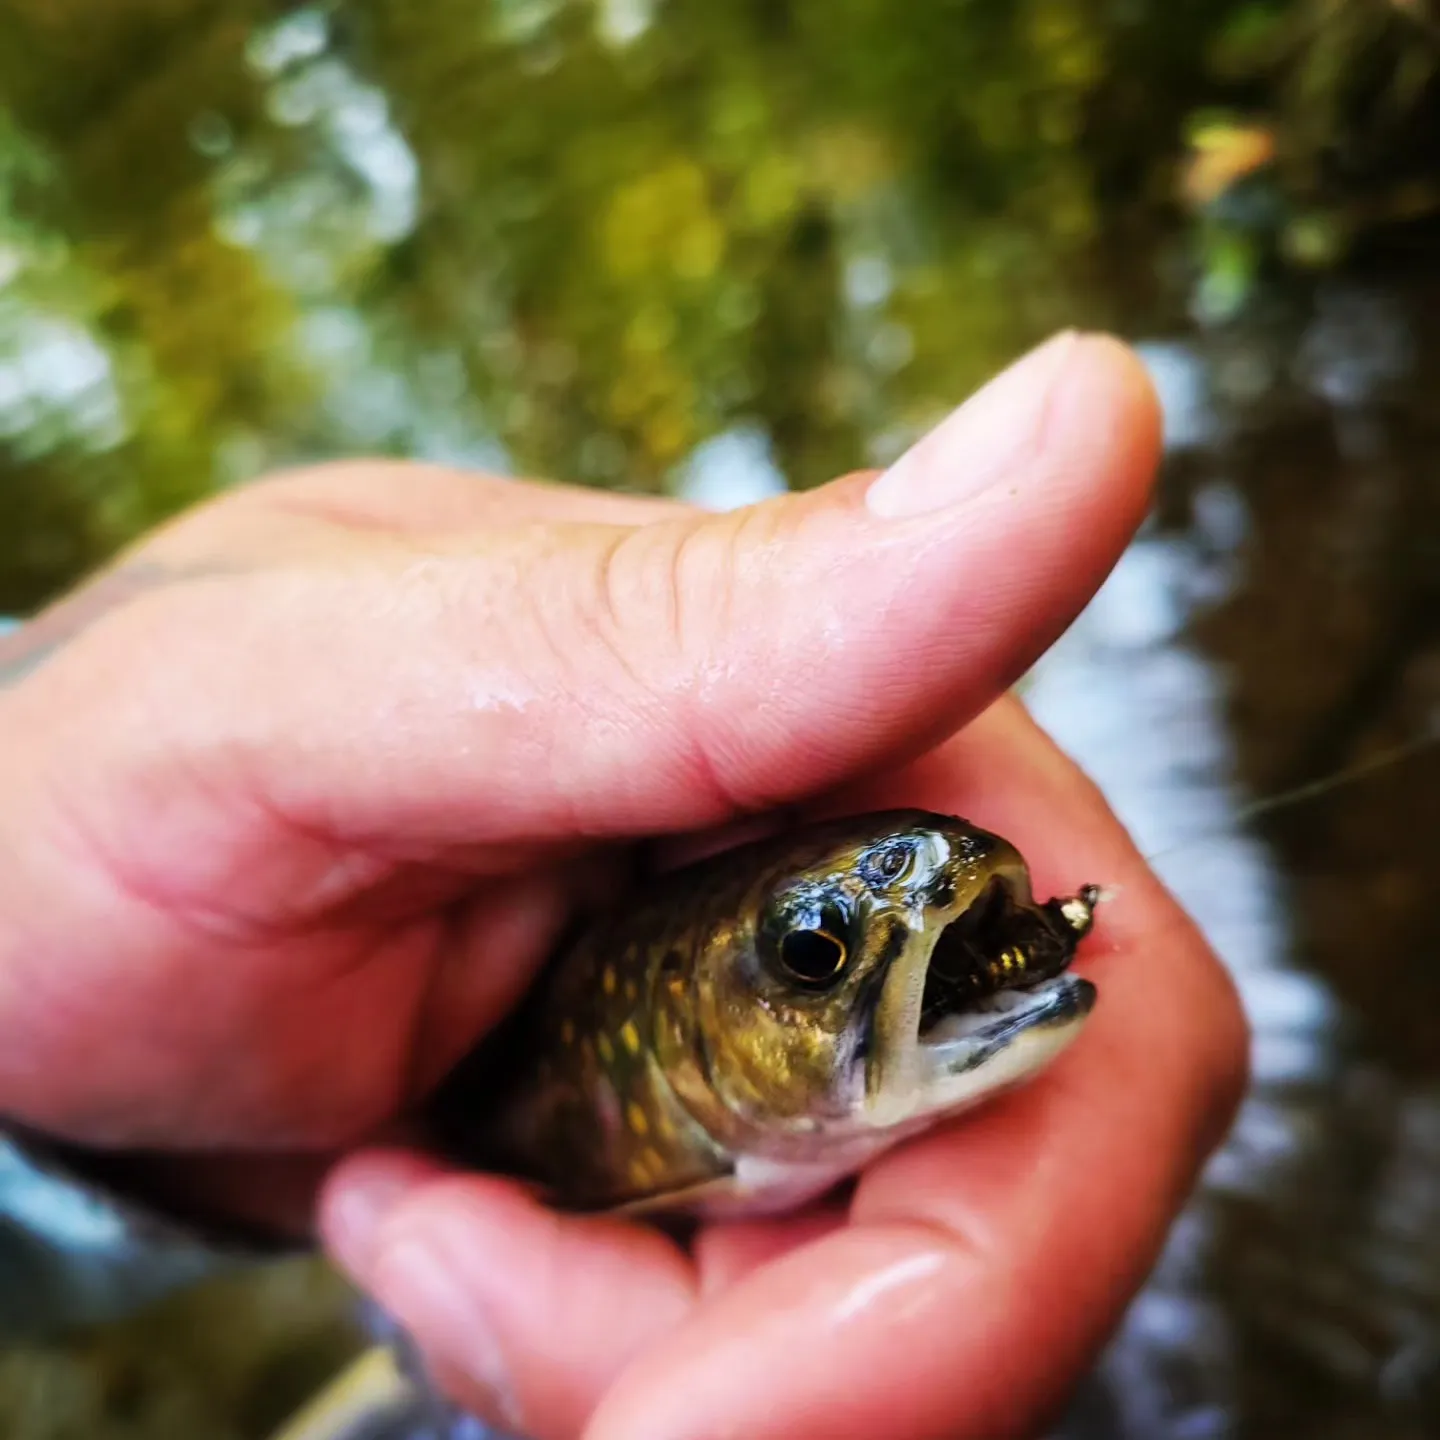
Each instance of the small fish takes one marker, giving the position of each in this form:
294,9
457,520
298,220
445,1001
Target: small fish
767,1021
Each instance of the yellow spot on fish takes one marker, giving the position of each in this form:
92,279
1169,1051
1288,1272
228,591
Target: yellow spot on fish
663,1125
606,1049
631,993
567,1032
645,1167
639,1122
607,979
631,1036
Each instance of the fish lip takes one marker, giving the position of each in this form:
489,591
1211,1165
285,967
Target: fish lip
969,1040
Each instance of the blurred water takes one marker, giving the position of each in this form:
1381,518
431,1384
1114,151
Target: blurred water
1301,1294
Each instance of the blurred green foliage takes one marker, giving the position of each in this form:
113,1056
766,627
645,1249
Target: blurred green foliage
229,1361
579,237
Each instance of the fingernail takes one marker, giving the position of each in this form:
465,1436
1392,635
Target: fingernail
422,1284
368,1193
980,442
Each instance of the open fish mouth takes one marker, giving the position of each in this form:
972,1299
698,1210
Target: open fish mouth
998,971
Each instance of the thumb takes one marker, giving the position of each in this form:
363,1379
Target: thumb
546,680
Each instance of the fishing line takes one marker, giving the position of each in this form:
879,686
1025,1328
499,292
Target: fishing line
1309,790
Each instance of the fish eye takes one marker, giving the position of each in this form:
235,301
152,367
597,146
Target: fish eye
813,957
805,940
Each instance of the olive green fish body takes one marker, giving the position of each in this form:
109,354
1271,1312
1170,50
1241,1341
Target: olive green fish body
765,1021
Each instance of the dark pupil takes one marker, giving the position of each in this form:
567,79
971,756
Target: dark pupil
813,956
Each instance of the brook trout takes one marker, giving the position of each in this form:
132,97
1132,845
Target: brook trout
766,1021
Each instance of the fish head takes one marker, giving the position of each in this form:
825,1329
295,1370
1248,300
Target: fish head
882,972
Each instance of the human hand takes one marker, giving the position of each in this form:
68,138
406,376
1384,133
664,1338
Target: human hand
295,815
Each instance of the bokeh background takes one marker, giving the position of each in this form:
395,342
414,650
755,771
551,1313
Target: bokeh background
721,247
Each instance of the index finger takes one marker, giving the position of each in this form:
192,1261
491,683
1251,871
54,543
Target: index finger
985,1263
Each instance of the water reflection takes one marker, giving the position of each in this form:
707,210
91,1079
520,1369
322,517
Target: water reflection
1301,1293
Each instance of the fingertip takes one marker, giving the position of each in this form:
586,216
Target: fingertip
360,1194
1110,365
1108,409
525,1314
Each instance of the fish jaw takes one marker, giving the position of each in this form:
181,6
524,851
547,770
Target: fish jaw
988,1052
923,1068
